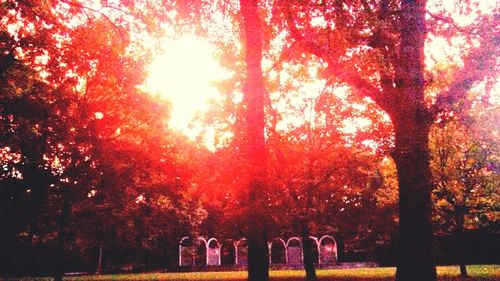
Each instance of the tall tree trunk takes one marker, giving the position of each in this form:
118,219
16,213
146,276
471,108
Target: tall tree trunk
305,232
258,252
412,122
416,256
308,253
460,253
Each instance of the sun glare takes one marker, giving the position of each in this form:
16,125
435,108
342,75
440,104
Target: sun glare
185,74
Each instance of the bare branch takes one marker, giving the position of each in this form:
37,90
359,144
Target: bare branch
81,6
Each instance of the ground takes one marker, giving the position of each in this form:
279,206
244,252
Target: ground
446,273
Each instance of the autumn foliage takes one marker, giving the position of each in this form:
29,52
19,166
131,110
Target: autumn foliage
372,121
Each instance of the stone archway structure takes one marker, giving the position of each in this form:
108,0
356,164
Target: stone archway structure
211,252
316,248
200,251
328,252
193,252
241,252
186,252
294,252
228,253
277,251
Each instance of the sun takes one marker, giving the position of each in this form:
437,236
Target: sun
185,74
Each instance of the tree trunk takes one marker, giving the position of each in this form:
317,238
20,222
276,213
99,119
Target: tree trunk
99,259
308,213
416,256
63,222
308,253
463,268
412,121
258,252
459,241
461,256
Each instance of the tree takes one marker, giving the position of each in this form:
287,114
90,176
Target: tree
345,35
254,91
85,122
314,160
85,102
298,134
466,182
29,125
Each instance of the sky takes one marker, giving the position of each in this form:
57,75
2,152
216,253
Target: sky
185,73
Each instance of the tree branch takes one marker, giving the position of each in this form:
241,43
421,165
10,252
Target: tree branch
340,69
81,6
449,21
480,63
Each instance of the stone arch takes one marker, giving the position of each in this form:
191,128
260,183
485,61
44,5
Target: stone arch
294,252
186,254
200,251
213,252
241,250
228,253
328,250
277,248
315,248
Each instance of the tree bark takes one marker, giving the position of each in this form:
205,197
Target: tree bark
459,241
412,121
416,255
258,252
305,232
308,257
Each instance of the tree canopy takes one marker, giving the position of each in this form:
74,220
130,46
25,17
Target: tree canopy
385,112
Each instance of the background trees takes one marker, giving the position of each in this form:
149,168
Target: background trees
90,168
464,161
87,152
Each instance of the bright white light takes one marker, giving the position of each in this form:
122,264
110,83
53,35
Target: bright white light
185,74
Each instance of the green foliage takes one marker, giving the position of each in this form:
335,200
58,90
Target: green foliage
465,170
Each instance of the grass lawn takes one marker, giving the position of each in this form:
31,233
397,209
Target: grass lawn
446,273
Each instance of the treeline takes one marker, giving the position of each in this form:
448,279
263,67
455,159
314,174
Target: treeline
27,260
